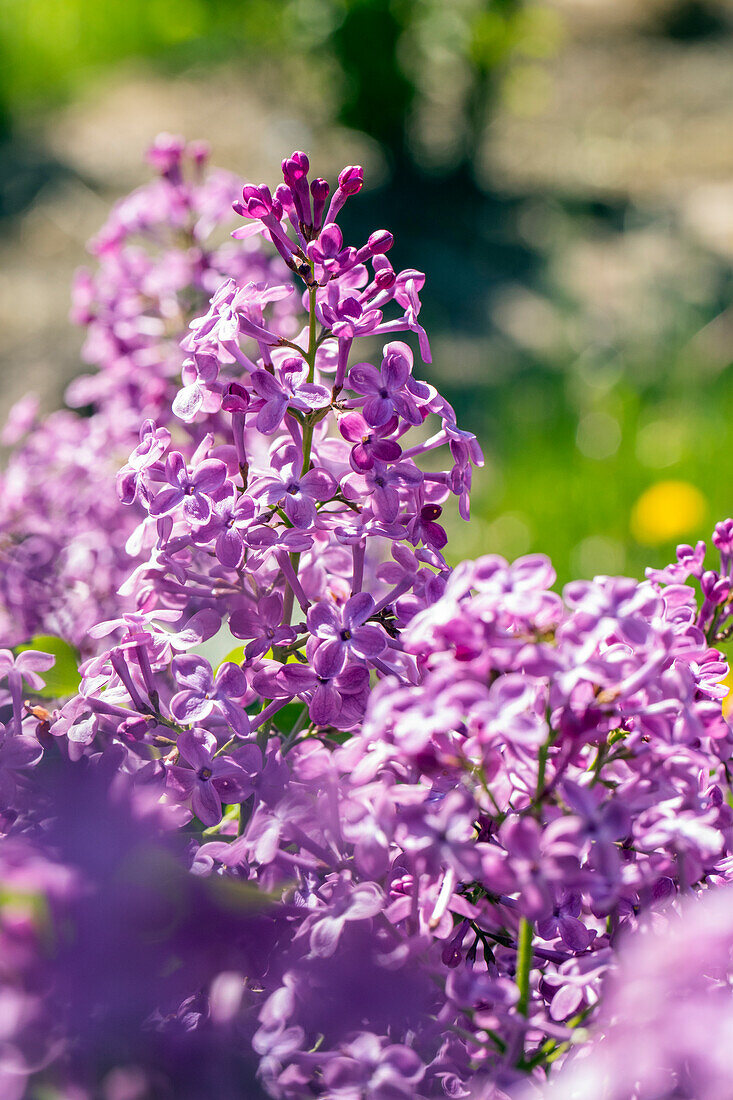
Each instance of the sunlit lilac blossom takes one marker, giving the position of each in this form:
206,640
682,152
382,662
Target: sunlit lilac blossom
388,846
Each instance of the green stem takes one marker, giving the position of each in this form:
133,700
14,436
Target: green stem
307,444
541,771
524,964
307,437
224,748
289,594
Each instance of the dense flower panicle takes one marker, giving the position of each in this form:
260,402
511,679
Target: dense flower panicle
389,843
63,533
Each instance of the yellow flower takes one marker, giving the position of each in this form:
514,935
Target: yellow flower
667,511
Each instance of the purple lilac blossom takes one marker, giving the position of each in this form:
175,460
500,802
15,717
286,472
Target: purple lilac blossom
390,846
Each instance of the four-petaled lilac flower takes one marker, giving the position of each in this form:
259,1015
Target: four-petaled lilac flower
564,922
200,391
209,780
289,388
195,489
425,528
332,697
373,1069
370,443
298,493
389,391
203,692
263,624
348,902
345,630
382,484
25,666
230,517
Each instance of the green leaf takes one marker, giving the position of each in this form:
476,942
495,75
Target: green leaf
284,720
63,679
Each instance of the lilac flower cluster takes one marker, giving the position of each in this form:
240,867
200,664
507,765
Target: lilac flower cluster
664,1031
63,530
379,825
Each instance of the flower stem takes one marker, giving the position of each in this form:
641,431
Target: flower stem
524,964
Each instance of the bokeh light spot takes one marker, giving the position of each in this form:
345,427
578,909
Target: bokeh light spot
667,511
599,435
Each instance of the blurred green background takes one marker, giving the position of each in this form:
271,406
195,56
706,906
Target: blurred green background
561,169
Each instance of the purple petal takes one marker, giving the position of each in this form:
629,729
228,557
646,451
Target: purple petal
365,379
197,508
318,483
323,620
271,609
566,1002
300,510
7,662
270,415
407,472
199,628
230,548
353,427
357,610
325,706
180,781
366,901
297,678
190,706
235,716
395,370
353,679
207,367
194,672
386,450
197,748
266,386
574,933
20,752
165,501
325,936
329,658
378,411
206,804
209,476
33,660
230,680
245,624
232,784
188,401
368,641
386,503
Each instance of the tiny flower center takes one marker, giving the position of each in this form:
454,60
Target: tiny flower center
345,635
293,488
205,773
